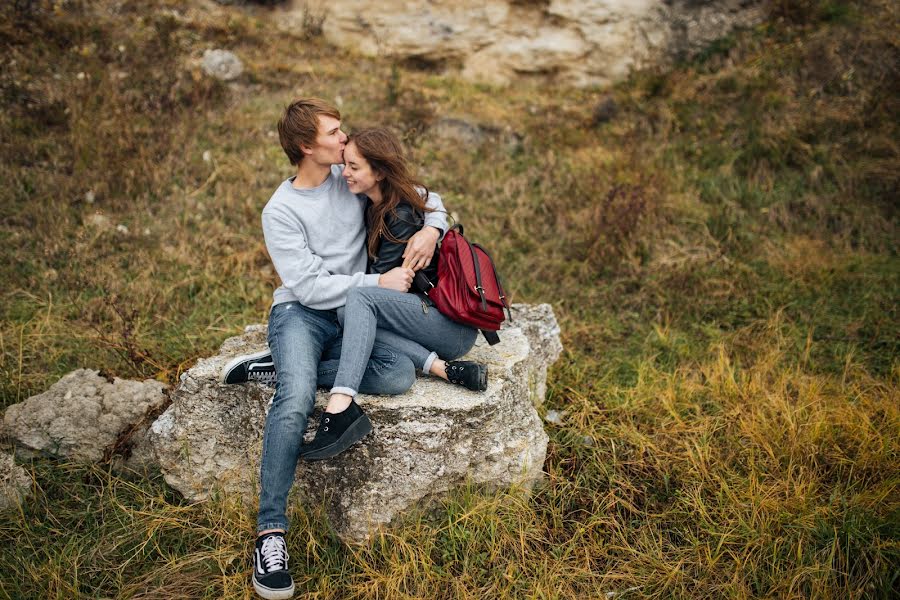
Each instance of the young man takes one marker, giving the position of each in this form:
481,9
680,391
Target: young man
315,234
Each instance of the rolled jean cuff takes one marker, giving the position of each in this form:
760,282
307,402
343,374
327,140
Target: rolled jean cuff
343,390
267,526
426,368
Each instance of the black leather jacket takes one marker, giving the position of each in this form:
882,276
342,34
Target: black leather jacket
403,223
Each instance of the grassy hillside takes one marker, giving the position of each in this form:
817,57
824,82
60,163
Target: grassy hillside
721,254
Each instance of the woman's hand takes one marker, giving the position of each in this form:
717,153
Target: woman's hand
398,278
420,248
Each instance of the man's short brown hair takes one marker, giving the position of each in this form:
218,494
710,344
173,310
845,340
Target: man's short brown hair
299,125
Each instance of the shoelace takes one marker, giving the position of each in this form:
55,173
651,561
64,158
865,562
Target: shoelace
274,553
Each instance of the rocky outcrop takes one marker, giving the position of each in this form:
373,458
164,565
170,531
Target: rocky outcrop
425,442
82,416
580,42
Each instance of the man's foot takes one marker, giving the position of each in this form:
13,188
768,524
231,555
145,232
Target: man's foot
250,367
337,432
271,578
470,374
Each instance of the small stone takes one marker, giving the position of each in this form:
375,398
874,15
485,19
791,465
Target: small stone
555,417
15,483
89,196
587,441
98,220
458,130
222,64
123,229
207,156
80,75
606,110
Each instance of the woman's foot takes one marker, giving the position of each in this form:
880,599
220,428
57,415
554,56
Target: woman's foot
467,373
337,432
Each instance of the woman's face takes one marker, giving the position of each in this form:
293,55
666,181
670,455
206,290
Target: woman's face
361,179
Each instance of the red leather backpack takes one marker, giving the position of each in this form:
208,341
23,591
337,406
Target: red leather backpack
469,289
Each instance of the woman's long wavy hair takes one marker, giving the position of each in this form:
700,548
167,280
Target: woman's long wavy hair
383,152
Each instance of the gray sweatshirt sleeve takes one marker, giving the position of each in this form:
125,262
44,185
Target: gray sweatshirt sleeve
438,217
302,272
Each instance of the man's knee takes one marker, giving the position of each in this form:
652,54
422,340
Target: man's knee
294,398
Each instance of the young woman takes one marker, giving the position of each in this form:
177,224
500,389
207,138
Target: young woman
376,170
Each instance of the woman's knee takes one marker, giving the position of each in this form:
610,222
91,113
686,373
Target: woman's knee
389,379
401,377
358,295
465,341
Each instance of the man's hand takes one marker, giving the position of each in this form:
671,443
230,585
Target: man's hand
420,248
398,278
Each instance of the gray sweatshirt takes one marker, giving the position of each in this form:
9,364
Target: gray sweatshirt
316,239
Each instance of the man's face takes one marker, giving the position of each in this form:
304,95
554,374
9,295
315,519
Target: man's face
330,140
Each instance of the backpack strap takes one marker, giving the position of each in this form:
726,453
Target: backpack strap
491,337
499,282
478,287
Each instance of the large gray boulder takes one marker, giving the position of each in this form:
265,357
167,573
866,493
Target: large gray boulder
425,442
83,416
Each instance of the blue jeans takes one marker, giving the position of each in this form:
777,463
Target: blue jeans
306,347
410,324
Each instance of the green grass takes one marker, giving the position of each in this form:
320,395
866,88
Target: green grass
721,255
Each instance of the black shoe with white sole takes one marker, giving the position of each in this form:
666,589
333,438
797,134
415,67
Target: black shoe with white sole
258,366
271,578
337,432
469,374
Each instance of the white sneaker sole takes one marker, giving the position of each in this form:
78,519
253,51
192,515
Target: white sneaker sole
238,360
270,594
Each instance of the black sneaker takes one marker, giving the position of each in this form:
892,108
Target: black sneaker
337,432
271,579
471,375
250,367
